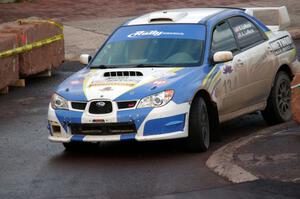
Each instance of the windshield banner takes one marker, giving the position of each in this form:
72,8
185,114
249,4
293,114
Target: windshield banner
176,31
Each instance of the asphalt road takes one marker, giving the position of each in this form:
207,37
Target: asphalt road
32,167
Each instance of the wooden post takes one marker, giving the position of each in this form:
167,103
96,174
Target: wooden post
19,83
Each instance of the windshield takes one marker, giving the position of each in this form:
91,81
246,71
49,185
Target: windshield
153,45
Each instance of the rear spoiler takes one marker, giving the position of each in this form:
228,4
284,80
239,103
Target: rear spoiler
282,21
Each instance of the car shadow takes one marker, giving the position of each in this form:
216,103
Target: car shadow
159,150
126,149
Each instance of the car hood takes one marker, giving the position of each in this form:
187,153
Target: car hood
123,83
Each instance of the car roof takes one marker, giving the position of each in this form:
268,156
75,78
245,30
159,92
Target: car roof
185,15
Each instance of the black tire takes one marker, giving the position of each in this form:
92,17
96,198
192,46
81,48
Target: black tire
199,131
278,108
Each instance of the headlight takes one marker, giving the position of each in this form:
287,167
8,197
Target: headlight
156,100
58,102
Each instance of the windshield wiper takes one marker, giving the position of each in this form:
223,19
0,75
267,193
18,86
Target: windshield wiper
102,66
151,65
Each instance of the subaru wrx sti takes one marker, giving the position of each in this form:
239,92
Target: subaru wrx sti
177,74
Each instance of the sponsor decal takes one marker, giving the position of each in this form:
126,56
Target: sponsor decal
227,69
244,30
281,45
159,82
109,88
100,104
154,33
76,82
103,83
130,105
165,74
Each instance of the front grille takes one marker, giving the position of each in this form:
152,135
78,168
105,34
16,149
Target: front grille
103,128
100,107
122,74
127,104
78,105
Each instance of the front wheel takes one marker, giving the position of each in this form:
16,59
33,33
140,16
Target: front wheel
199,131
278,108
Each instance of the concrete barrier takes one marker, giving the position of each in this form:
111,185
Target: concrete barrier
9,66
9,1
296,98
39,59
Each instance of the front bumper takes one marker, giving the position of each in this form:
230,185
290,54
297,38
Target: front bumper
167,122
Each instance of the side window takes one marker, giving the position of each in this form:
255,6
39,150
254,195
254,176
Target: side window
223,39
246,32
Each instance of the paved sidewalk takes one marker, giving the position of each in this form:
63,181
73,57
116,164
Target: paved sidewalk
274,156
86,36
270,154
262,189
68,10
78,41
90,9
88,23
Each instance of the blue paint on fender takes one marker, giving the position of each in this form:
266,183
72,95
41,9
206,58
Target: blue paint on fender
66,116
136,115
72,88
164,125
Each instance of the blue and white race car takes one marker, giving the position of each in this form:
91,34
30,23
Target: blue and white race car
177,74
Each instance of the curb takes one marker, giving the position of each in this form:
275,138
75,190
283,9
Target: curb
222,163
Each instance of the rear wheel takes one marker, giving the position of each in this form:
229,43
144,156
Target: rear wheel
278,108
199,131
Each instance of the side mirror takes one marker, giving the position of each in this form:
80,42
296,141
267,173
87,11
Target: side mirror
85,59
222,56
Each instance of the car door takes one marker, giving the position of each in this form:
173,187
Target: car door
259,61
232,75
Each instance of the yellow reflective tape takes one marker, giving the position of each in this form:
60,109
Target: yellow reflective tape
214,80
174,70
55,23
29,47
208,75
293,53
268,33
27,21
86,80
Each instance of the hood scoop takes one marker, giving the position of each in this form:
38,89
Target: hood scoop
122,74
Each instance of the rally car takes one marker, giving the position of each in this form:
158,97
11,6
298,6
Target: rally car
178,74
